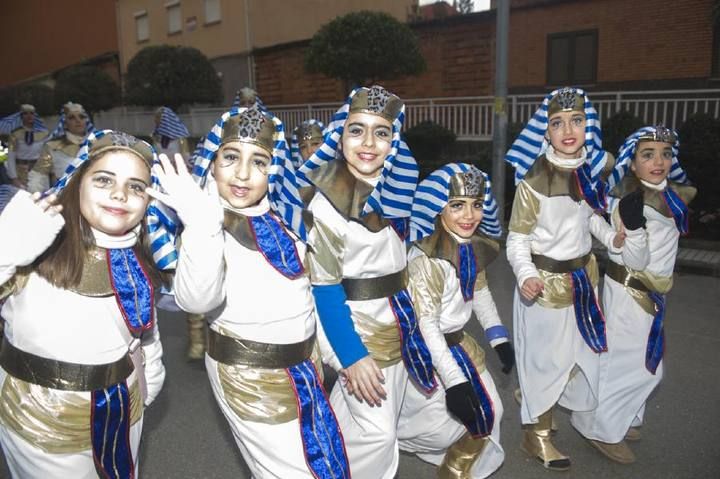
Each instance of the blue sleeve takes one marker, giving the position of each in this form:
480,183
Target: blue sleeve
334,315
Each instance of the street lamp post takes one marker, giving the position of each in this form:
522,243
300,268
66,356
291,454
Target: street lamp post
500,117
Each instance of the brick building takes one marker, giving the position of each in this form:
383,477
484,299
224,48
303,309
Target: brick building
597,44
40,37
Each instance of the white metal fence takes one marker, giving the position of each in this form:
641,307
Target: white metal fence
471,118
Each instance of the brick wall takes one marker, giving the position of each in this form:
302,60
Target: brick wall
642,44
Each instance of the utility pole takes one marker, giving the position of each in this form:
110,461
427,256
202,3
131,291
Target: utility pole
248,40
500,117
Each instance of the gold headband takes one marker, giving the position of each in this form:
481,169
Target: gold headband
471,183
117,140
567,99
308,131
250,126
377,101
661,134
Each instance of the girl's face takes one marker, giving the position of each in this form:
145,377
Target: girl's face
308,147
366,142
75,123
652,161
241,173
112,192
462,216
566,133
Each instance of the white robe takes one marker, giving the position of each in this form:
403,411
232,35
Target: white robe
370,432
548,345
625,382
426,428
241,294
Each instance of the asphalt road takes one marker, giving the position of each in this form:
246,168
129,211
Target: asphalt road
185,435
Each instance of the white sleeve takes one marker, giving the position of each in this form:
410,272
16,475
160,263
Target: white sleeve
519,256
426,286
199,283
486,312
605,233
154,367
10,165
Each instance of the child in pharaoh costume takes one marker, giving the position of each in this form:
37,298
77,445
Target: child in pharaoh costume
653,211
559,330
307,137
363,179
458,426
71,131
26,143
81,355
241,264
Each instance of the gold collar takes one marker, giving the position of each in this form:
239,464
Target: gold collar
95,280
442,245
654,198
346,193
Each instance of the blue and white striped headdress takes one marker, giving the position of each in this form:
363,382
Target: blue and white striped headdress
282,184
59,130
392,196
170,125
629,147
433,194
161,221
12,122
304,131
531,142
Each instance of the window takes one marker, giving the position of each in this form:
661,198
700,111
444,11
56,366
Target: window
715,70
142,27
212,11
572,58
174,17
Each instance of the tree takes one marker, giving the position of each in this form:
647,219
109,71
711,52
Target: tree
465,6
362,47
94,89
171,76
37,94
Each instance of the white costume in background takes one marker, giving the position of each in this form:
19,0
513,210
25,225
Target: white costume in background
46,432
547,342
625,382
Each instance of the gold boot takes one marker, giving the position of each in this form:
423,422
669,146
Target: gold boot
538,444
517,394
197,336
460,457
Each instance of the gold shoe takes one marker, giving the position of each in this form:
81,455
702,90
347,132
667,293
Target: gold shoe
633,434
460,457
619,452
517,394
538,444
197,336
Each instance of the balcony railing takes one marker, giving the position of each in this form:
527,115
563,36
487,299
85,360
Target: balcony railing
471,118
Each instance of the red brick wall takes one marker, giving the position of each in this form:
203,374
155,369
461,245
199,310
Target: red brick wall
641,44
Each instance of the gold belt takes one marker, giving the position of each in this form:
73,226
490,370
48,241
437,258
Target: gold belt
454,338
554,266
51,373
363,289
234,351
620,274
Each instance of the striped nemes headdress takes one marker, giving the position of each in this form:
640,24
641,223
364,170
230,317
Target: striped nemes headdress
454,180
392,196
67,109
170,126
531,142
162,223
305,131
629,147
258,127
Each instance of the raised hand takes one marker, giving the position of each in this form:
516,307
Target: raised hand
195,207
631,210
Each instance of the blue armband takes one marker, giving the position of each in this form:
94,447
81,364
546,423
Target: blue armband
496,332
334,314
